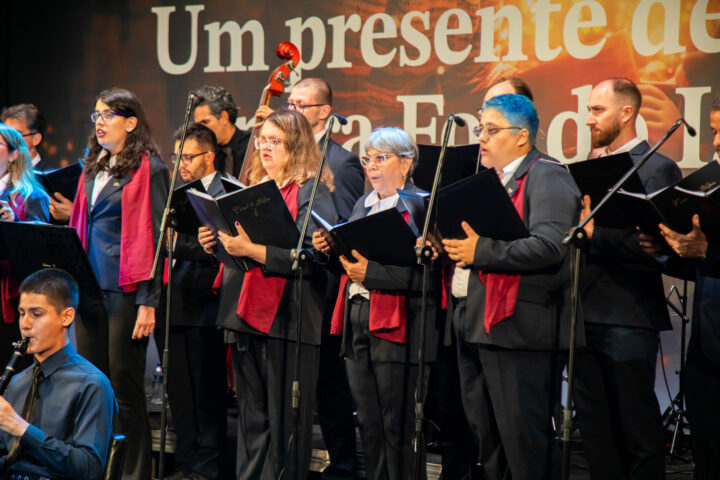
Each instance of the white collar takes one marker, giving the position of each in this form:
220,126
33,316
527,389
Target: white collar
627,147
377,204
509,170
319,135
207,180
36,159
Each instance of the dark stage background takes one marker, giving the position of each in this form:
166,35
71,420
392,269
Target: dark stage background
394,62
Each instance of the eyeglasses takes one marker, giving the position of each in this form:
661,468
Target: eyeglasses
186,158
4,144
300,108
379,159
107,115
271,143
29,134
490,132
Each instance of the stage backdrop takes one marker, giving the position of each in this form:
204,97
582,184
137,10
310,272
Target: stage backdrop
406,63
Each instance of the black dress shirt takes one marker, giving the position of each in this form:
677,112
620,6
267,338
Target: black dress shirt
71,434
238,145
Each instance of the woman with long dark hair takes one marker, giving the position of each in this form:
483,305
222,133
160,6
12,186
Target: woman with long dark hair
117,212
262,333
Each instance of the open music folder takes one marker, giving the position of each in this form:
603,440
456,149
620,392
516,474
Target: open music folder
261,211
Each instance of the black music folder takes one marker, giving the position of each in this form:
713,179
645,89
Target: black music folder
597,176
260,210
34,246
62,180
481,201
460,162
186,220
698,193
384,237
232,184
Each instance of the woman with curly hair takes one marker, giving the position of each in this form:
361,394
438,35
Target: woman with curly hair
117,212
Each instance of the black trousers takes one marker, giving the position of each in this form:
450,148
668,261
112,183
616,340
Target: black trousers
264,369
196,391
702,381
384,397
617,409
104,337
508,399
444,408
335,405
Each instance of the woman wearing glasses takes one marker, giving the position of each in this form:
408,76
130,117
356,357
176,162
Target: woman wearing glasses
22,199
262,334
378,314
117,211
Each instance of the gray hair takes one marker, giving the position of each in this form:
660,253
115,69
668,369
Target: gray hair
393,140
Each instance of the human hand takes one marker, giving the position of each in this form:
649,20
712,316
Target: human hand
356,271
60,207
690,245
462,251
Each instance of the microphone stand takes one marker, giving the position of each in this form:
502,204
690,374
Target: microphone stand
299,255
168,223
424,257
577,237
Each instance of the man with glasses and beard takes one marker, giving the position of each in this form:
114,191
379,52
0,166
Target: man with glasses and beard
624,308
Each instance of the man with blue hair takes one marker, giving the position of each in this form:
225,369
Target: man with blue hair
516,314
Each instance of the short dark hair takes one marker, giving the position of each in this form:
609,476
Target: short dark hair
521,88
715,105
625,89
200,133
56,284
218,100
321,86
28,113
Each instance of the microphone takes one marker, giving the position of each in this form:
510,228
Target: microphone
340,118
196,98
691,131
458,120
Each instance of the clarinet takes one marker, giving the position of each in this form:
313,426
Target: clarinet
20,349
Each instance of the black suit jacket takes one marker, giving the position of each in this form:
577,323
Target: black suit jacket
238,145
104,227
194,304
43,165
405,281
705,329
620,284
279,262
349,178
541,320
37,205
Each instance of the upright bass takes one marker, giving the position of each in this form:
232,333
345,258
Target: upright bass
278,80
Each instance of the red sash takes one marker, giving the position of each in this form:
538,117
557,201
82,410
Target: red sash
9,287
261,294
388,317
501,289
137,245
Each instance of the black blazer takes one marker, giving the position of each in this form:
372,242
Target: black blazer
349,178
279,262
620,284
37,205
104,227
43,165
541,321
404,281
194,304
705,328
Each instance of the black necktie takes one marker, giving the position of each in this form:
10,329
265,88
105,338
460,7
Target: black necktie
28,412
228,161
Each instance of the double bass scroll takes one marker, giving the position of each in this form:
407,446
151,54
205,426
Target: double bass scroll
278,80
